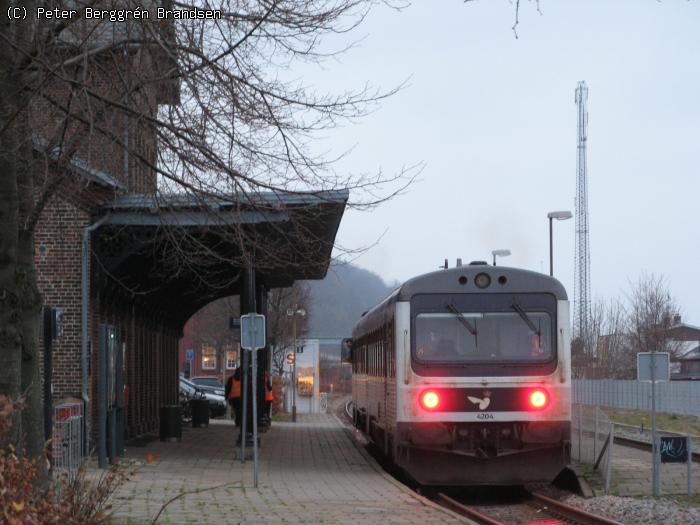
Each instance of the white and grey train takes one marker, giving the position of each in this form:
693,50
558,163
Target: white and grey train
463,376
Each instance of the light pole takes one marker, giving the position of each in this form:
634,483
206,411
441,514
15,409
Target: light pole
499,253
560,216
293,312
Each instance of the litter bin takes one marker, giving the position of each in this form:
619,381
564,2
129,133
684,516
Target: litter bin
200,412
170,423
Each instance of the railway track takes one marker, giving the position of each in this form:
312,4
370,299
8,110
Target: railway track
534,508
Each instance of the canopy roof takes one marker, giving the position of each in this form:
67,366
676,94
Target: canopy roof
177,253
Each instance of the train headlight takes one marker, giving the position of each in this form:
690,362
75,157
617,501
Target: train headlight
539,399
430,400
482,280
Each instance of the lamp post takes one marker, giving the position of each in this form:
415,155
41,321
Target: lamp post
560,216
293,312
499,253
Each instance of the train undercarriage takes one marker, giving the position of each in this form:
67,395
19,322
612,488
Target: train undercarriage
482,453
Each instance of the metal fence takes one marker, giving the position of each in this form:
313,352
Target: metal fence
67,453
593,434
676,397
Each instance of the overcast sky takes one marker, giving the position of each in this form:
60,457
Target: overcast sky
493,118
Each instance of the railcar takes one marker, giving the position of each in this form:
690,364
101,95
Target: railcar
463,376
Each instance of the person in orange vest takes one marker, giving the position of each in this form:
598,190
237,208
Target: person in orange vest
268,398
233,394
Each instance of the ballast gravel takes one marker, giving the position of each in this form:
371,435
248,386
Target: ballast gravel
633,511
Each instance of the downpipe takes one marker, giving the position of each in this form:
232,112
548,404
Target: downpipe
85,308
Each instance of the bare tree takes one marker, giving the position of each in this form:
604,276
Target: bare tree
609,324
155,107
652,311
280,324
619,330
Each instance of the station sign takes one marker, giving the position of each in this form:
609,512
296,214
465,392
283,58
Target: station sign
252,331
656,362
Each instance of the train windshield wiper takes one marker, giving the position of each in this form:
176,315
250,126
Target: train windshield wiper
452,308
523,315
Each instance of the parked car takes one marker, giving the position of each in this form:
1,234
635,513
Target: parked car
217,403
209,384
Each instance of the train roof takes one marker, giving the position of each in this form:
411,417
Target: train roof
503,280
452,281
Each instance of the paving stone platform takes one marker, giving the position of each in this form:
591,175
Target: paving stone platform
632,474
311,471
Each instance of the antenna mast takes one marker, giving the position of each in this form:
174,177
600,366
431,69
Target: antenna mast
582,278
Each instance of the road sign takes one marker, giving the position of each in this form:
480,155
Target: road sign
252,331
290,358
660,363
189,354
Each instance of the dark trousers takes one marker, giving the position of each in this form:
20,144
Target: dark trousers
235,403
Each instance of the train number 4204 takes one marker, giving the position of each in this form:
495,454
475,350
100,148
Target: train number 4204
484,415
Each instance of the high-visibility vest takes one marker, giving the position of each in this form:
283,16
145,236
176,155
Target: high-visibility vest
268,394
235,389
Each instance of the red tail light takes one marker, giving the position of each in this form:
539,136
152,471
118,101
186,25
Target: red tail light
430,400
539,399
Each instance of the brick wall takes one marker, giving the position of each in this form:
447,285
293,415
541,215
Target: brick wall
58,241
151,345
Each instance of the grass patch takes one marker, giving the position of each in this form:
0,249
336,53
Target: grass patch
688,501
282,417
664,421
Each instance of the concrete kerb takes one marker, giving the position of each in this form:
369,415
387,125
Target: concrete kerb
403,488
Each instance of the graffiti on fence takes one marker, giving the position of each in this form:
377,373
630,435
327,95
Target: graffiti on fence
674,449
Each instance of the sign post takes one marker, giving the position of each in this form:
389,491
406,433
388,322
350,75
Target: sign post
654,366
253,339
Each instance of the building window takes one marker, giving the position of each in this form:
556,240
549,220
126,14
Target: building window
208,358
231,358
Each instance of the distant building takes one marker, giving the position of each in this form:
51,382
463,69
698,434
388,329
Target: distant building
308,392
686,339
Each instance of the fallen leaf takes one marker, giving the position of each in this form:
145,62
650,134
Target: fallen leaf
150,457
18,507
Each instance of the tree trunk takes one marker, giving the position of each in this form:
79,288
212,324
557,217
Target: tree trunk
30,305
10,337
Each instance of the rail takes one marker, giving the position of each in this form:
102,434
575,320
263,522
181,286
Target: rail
556,509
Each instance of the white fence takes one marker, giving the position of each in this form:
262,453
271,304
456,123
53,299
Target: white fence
676,397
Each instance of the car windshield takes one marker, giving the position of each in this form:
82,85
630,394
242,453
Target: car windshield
208,381
187,386
455,336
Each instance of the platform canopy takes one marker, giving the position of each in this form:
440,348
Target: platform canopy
177,253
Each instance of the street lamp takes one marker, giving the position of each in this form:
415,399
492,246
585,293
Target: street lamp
560,216
293,313
499,253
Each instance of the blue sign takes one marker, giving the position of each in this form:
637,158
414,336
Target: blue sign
189,354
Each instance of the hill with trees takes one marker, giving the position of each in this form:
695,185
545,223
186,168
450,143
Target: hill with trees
338,301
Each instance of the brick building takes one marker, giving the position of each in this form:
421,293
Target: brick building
109,247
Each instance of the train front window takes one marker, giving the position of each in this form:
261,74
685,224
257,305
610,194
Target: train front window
462,337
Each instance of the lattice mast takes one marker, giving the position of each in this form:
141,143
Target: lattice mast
582,278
